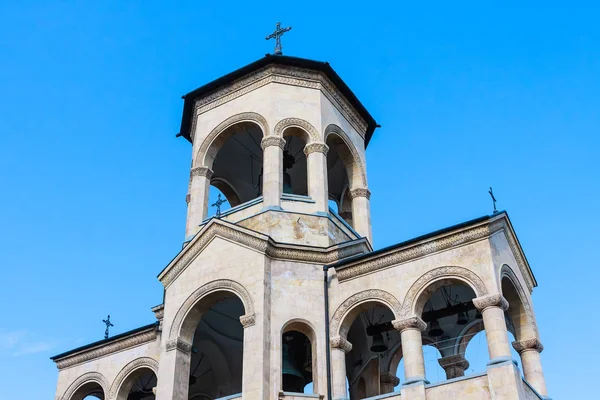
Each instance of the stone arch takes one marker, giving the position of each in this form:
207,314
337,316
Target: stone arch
307,329
220,289
528,329
355,168
430,281
465,336
214,141
354,305
228,191
127,370
88,377
312,133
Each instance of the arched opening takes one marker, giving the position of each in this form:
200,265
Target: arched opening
476,351
90,391
295,168
215,332
236,159
299,366
373,339
138,385
518,321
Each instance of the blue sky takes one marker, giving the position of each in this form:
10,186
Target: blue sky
469,94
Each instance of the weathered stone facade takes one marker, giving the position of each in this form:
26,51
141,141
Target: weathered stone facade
283,257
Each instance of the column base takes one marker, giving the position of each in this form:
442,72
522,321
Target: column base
415,380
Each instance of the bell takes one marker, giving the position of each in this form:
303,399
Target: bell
435,329
378,345
293,379
288,163
287,183
462,318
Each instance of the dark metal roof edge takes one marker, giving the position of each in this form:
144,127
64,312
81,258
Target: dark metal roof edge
376,253
105,341
324,67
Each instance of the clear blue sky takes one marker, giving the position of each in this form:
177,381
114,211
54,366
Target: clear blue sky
93,180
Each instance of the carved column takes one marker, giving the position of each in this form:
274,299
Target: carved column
316,159
197,199
361,212
492,309
412,348
272,179
174,371
339,348
454,365
388,382
530,350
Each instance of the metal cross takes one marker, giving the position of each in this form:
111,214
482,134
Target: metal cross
108,325
277,36
218,205
493,199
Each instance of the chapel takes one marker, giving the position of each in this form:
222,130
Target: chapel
277,293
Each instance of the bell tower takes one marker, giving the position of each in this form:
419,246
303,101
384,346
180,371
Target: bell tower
284,140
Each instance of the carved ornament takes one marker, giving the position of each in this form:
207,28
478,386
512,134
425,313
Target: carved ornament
248,320
300,123
316,148
409,323
143,362
338,342
360,192
454,361
268,141
201,171
529,344
87,377
180,345
492,300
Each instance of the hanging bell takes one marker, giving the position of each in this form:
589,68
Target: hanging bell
293,379
435,329
288,163
378,345
462,318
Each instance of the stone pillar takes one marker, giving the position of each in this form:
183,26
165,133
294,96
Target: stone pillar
412,348
197,199
316,159
492,309
272,179
388,382
530,350
361,212
454,365
339,348
174,371
255,368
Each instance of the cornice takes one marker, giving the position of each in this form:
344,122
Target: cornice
286,75
258,242
134,340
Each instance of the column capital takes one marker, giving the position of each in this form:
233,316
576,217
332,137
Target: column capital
360,192
529,344
409,323
456,360
180,345
493,300
248,320
316,148
339,342
268,141
201,171
389,378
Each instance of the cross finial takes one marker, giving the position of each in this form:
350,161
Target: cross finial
218,204
277,36
108,325
493,199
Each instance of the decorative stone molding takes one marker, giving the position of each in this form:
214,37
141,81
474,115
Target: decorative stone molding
201,171
248,320
159,311
492,300
388,378
507,272
272,141
234,119
286,75
360,192
417,250
339,132
316,148
300,123
128,342
409,323
338,342
425,280
342,311
211,287
83,379
529,344
180,345
454,361
143,362
260,243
